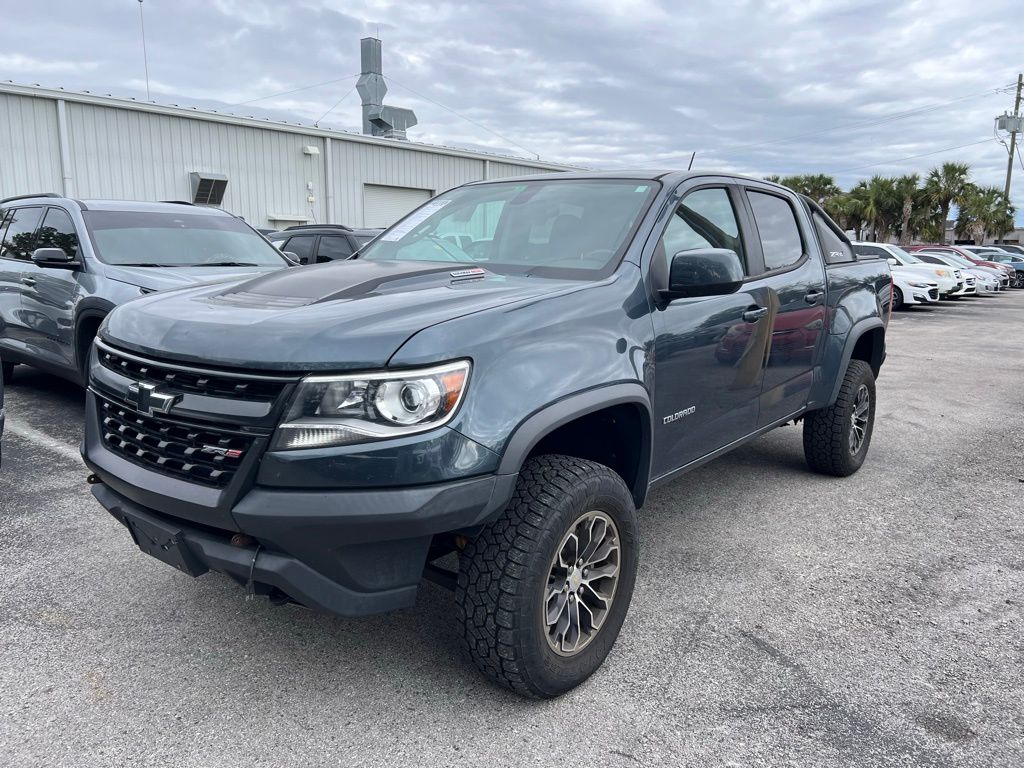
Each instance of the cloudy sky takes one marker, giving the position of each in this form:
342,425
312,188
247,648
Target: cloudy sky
756,87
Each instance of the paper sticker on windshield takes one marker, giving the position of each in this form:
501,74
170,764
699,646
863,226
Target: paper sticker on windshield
414,220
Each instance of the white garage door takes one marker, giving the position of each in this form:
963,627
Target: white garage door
383,206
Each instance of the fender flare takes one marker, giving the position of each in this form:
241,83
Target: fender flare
91,308
856,332
541,423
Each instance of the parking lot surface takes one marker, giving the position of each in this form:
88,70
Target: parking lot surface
779,617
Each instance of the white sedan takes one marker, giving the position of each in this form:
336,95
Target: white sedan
909,287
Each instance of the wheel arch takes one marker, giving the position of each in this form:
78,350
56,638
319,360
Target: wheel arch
609,424
866,341
87,322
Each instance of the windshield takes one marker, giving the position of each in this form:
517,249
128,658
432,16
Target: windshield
170,239
906,256
567,228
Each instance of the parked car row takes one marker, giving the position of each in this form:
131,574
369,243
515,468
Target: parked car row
926,274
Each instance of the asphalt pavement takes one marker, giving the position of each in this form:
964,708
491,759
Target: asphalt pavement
780,618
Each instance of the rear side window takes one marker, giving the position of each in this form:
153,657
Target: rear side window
333,247
704,219
870,250
20,234
58,231
778,230
301,246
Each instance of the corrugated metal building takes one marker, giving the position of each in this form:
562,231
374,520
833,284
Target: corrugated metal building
278,174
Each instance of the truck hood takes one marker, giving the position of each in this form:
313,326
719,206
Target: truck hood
335,316
166,278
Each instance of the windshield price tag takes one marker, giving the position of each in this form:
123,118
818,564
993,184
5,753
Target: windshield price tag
414,220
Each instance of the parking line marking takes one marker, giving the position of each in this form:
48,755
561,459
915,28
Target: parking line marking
41,438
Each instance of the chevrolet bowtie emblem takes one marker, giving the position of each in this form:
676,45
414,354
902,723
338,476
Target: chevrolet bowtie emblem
147,400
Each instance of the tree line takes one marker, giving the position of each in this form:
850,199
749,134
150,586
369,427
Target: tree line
907,208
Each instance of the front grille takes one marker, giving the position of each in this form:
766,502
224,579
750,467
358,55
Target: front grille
190,452
181,379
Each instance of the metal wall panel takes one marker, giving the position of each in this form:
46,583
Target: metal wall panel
29,149
134,155
133,151
503,170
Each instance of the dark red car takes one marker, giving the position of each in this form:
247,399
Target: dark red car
971,257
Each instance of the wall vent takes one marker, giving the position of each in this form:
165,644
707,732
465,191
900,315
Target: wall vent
208,188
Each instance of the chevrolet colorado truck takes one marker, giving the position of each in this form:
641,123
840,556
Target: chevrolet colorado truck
506,399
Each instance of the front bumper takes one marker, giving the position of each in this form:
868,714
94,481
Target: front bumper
350,553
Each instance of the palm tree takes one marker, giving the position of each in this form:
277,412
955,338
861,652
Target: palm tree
984,211
880,205
946,186
817,186
905,189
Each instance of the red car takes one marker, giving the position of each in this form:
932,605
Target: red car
1007,270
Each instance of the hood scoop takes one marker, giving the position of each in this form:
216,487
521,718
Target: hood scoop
256,300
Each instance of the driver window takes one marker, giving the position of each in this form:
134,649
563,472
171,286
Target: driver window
704,219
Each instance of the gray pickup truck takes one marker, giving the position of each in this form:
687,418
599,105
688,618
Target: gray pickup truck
502,376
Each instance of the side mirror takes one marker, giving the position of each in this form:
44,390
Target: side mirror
704,272
295,258
54,257
893,262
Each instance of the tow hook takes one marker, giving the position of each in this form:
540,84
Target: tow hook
94,480
242,540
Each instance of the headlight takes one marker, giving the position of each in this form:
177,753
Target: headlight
918,285
358,408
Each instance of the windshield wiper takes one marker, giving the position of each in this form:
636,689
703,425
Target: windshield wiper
226,264
149,264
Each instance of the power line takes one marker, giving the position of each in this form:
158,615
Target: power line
467,119
145,58
913,157
295,90
874,121
325,114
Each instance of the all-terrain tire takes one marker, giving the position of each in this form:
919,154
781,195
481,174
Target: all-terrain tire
504,573
828,433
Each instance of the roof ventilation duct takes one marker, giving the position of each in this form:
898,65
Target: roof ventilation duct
378,120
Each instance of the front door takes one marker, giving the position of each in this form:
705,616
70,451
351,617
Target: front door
48,301
709,359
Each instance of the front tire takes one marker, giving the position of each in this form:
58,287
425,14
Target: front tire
836,438
897,298
570,523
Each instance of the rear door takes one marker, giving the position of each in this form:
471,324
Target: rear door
50,294
15,253
708,359
784,250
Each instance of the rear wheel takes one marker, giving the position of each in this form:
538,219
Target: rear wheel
543,590
836,438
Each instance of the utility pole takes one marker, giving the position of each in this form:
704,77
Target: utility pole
1013,138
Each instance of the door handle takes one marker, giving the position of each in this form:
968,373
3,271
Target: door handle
813,297
29,281
753,315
